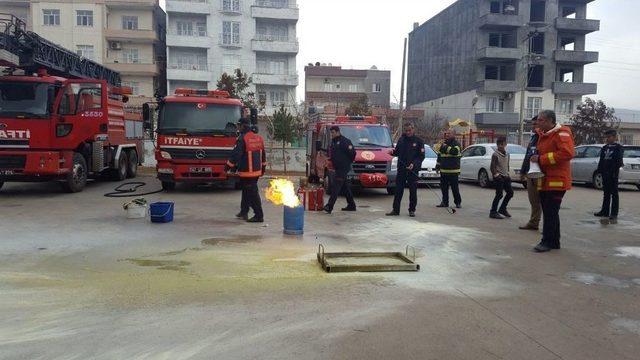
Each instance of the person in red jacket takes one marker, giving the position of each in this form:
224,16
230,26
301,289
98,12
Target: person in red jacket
555,149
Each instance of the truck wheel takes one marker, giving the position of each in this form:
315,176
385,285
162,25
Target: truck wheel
120,172
77,178
391,191
483,179
132,165
168,186
597,181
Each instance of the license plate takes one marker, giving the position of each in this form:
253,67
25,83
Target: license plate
428,174
6,172
200,170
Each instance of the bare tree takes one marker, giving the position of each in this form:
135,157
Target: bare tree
430,128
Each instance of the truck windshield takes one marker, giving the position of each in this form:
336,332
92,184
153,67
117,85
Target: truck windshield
25,99
367,136
198,118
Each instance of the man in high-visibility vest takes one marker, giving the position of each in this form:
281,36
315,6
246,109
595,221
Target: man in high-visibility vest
248,159
449,165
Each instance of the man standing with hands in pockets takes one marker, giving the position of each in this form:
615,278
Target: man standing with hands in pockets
410,153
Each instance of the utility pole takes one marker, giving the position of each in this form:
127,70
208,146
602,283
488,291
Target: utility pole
404,66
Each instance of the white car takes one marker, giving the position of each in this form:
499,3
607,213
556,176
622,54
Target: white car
427,174
475,164
584,166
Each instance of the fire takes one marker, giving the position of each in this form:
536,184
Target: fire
282,192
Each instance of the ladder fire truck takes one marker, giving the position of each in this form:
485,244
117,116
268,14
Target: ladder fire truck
63,118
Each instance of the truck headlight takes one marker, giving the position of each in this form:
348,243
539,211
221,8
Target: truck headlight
165,155
394,164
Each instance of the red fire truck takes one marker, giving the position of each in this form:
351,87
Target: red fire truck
372,140
196,132
64,119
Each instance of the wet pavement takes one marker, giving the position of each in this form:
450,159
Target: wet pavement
78,280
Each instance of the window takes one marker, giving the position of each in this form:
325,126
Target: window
534,106
134,85
272,32
538,9
565,107
495,7
51,17
230,63
231,5
353,88
592,152
130,56
536,76
84,18
495,104
79,98
230,33
277,98
184,28
85,51
130,22
503,40
626,138
376,88
186,61
201,28
262,97
537,44
328,87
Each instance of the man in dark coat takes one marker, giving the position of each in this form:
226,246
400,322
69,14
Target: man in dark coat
342,154
609,166
410,153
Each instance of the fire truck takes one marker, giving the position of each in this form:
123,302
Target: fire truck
372,141
196,133
63,118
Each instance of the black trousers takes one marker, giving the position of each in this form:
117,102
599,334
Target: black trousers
406,178
341,185
611,199
503,184
551,201
446,181
251,197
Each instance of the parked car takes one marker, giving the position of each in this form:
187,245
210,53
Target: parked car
585,166
427,173
475,164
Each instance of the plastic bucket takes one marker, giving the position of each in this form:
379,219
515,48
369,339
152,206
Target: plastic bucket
293,221
135,211
161,212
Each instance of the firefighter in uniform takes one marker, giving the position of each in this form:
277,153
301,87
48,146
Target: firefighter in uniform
449,164
410,153
342,155
248,160
555,151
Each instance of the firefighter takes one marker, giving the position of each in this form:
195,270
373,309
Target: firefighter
342,155
611,160
555,151
449,165
410,153
248,160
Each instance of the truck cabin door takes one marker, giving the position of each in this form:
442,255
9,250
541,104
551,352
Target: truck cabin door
82,106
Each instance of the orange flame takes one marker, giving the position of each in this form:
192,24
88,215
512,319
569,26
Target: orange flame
282,192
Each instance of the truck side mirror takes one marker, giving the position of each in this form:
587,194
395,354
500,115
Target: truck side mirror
146,117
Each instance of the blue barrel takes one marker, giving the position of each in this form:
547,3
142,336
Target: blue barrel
294,220
161,212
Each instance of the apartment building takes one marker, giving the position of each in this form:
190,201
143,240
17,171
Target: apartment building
496,61
335,87
207,38
125,35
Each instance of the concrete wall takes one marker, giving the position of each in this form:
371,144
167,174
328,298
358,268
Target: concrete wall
296,159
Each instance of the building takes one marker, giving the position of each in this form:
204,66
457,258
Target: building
337,87
629,130
125,35
475,59
207,38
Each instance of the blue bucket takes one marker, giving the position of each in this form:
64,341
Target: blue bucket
294,220
161,212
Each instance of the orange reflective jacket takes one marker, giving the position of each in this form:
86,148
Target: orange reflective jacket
248,155
556,149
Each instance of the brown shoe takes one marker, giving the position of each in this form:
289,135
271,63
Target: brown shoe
529,227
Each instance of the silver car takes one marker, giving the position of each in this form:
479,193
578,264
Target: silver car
475,164
585,166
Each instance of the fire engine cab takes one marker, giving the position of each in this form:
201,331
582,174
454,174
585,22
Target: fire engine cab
372,141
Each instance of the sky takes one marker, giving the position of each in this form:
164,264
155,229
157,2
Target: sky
363,33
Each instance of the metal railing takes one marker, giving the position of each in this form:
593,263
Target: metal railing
195,67
195,34
128,60
192,1
230,40
276,4
275,38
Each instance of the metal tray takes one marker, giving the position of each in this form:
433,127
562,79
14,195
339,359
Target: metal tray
367,261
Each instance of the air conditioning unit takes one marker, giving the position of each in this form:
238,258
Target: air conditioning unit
509,96
115,45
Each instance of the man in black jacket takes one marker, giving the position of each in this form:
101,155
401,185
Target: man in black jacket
609,166
410,153
342,155
449,156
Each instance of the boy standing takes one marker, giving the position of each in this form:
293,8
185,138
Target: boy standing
502,180
609,166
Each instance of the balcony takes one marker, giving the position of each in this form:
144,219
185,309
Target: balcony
229,41
498,53
266,9
140,67
574,88
500,21
132,4
496,118
188,72
189,6
275,45
275,79
498,86
575,57
134,36
578,26
189,40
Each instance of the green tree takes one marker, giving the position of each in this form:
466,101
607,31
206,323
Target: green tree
237,85
592,120
359,107
284,127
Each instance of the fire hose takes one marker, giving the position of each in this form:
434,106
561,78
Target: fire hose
130,191
450,209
